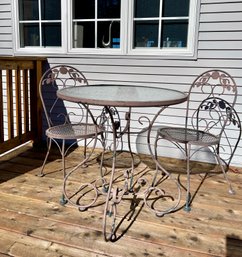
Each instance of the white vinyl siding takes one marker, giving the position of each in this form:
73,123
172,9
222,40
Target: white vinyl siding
219,47
6,46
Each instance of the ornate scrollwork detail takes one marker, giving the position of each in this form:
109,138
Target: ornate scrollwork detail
215,79
216,109
143,119
54,79
165,202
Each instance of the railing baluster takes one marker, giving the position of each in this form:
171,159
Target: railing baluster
9,85
1,109
25,101
18,102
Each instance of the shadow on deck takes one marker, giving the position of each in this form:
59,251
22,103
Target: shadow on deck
33,223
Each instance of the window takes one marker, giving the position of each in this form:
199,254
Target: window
161,24
96,24
40,23
134,27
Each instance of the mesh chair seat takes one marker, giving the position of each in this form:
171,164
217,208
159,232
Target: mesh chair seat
193,136
73,131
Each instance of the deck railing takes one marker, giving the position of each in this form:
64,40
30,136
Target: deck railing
20,107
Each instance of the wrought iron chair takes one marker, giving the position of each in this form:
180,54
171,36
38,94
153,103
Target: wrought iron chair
65,127
207,123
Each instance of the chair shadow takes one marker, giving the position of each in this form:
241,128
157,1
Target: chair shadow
195,192
18,163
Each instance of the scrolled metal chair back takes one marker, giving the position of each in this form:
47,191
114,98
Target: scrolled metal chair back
215,83
218,117
212,83
57,77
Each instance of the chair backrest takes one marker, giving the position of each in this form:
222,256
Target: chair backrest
57,77
210,107
212,83
216,116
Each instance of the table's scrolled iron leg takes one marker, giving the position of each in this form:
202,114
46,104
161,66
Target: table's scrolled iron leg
110,209
157,196
115,192
131,169
85,194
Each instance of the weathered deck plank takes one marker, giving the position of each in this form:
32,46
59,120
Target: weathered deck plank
33,222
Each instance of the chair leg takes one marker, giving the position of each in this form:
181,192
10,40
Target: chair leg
231,190
63,158
85,148
103,173
187,207
41,173
102,169
63,200
156,158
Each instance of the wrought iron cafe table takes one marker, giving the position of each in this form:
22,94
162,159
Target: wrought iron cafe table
111,97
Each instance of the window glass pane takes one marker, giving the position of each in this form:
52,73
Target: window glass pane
108,34
29,35
51,10
83,9
146,8
84,35
146,34
174,33
51,34
28,10
108,9
98,33
174,8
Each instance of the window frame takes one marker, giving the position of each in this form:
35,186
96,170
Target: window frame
188,51
126,36
33,50
108,51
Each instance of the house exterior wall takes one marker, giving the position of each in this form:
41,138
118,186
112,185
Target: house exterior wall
219,47
6,46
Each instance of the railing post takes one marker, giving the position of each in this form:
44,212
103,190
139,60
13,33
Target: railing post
36,109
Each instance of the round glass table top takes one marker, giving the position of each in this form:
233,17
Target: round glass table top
122,95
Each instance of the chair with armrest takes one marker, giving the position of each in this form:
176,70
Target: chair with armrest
207,124
68,123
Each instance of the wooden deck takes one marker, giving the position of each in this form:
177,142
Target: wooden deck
34,224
